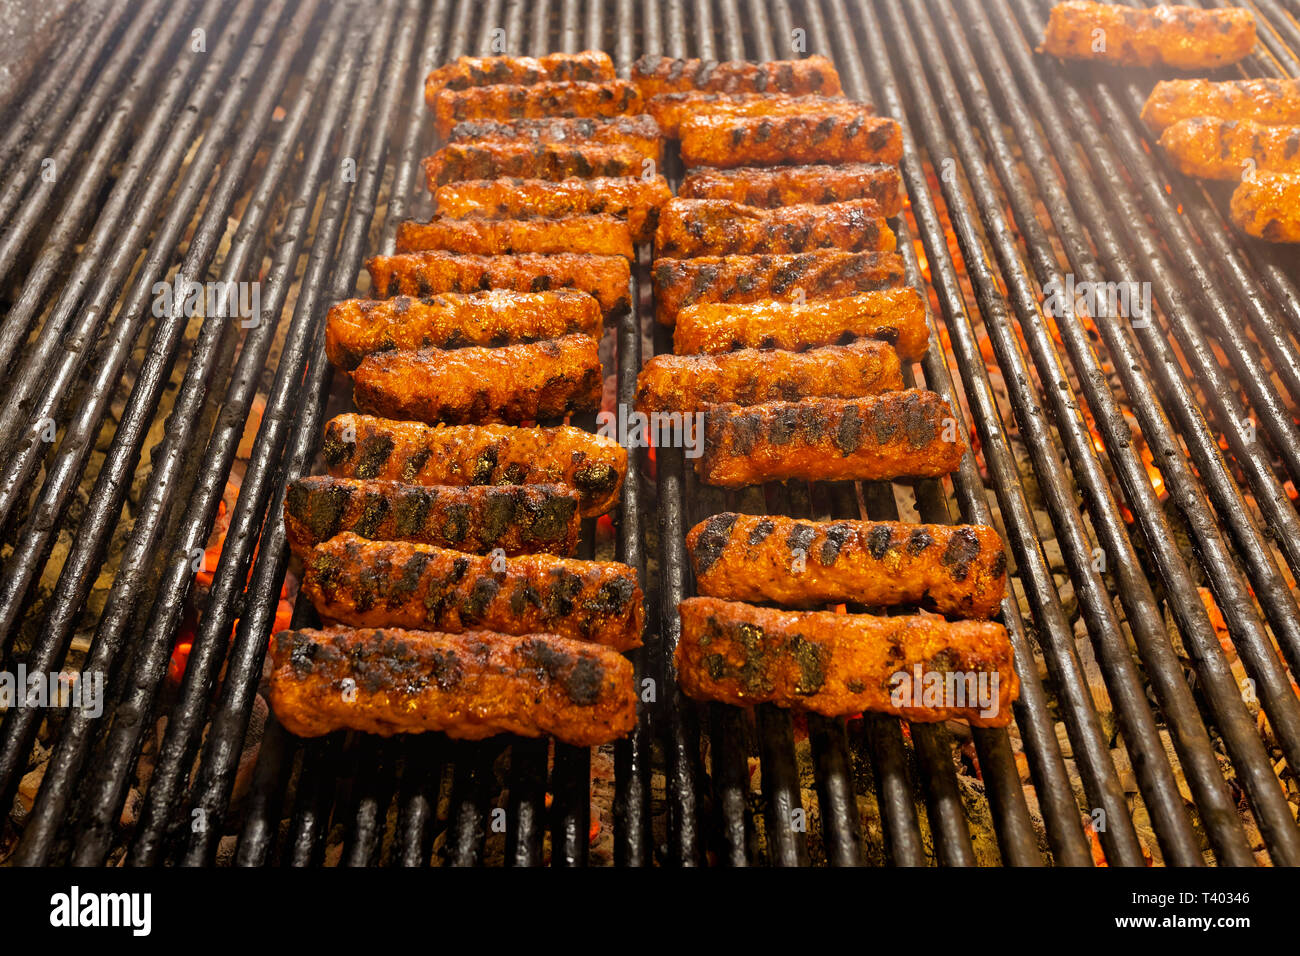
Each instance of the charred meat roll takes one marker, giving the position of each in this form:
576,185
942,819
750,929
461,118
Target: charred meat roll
360,446
553,161
632,198
1183,37
518,519
1211,148
811,275
685,383
894,316
717,227
923,668
589,66
1267,206
640,133
431,273
655,75
908,434
397,584
595,235
776,140
769,186
956,570
356,328
511,384
670,109
540,100
388,681
1273,102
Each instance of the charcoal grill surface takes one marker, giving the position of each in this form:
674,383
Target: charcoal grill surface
287,150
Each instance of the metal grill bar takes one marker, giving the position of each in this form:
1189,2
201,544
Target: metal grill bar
110,637
682,743
1137,723
353,780
1144,617
571,766
20,226
62,80
82,564
632,756
71,351
283,405
1061,815
244,664
1220,688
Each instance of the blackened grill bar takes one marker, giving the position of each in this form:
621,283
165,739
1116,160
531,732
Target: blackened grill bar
902,57
1226,702
1065,836
1215,804
1193,740
1160,793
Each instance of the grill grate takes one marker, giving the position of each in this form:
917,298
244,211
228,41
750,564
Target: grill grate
1020,172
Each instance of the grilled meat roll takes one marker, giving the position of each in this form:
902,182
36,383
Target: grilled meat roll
360,446
669,109
396,584
1183,37
1267,206
1273,102
431,273
704,227
655,75
842,664
811,275
468,686
589,66
511,384
628,197
894,316
957,570
554,161
570,99
776,140
515,518
768,186
1212,148
595,235
640,132
685,383
908,434
356,328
